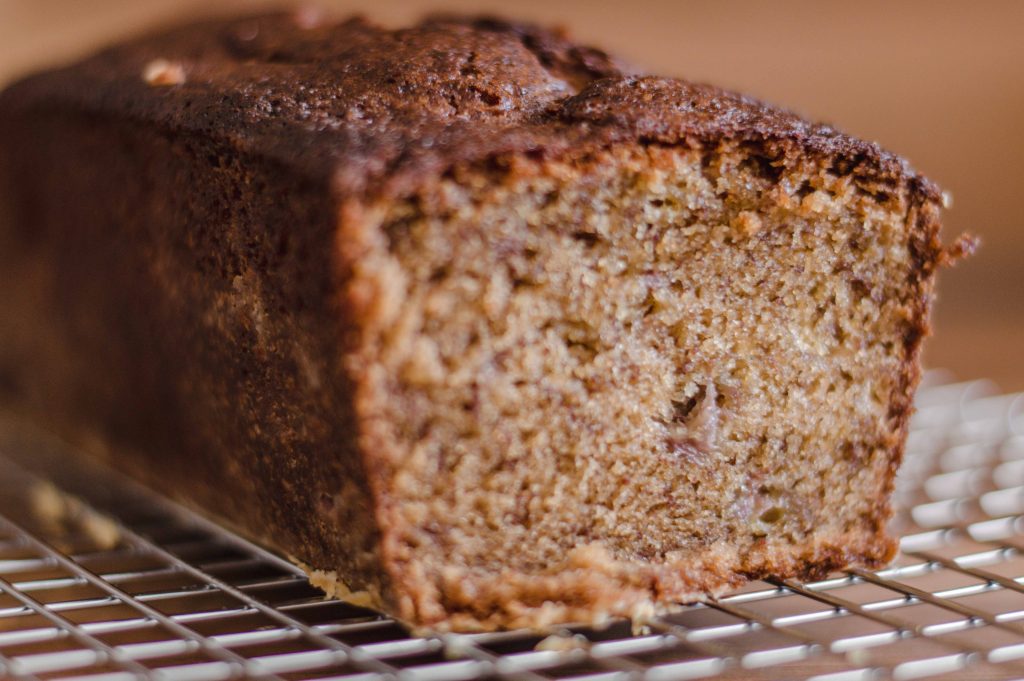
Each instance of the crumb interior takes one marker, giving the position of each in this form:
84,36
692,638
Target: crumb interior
649,349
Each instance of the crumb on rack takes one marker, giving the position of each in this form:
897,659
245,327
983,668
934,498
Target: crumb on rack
561,643
333,587
62,515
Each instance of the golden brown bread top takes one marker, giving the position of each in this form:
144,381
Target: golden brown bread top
376,109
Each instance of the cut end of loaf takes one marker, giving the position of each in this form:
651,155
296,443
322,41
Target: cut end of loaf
608,382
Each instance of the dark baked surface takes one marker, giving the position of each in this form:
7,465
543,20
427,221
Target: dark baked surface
376,107
215,238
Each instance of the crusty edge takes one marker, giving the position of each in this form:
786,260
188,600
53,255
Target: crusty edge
923,222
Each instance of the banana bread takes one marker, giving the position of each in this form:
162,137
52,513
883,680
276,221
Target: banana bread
481,327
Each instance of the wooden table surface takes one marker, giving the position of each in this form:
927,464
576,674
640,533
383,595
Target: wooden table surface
941,83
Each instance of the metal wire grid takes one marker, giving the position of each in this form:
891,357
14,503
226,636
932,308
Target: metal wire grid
170,595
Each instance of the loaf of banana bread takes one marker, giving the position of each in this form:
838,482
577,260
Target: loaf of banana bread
479,326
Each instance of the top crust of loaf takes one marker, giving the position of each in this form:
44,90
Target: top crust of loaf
374,110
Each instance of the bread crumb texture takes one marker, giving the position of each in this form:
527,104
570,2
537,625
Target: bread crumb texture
607,383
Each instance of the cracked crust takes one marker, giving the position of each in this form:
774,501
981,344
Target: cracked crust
379,109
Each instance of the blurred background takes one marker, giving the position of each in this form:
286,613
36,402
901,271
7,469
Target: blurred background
941,83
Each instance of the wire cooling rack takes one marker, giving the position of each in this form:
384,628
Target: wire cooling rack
146,589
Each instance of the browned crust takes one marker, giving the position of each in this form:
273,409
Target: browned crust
379,109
